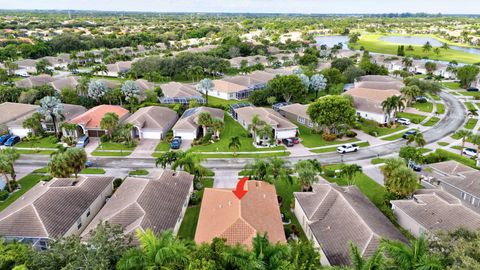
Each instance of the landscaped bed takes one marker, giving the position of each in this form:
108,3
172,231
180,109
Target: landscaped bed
310,139
138,172
92,171
374,129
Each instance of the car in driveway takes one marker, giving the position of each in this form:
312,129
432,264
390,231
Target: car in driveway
347,148
408,133
176,143
295,140
403,121
469,152
12,141
288,142
414,166
82,141
89,164
4,138
472,89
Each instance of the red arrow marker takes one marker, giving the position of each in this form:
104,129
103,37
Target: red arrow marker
239,191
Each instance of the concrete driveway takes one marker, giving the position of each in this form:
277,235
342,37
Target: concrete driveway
225,178
92,145
145,148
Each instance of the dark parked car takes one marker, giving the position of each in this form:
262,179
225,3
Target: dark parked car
295,140
288,142
472,89
408,133
414,166
176,142
82,141
4,138
12,141
89,164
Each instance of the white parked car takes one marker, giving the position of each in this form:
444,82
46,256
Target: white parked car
347,148
404,121
470,152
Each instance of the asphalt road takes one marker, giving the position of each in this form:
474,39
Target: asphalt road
453,120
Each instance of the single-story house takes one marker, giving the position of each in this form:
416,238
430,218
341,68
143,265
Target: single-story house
223,215
57,62
368,103
70,82
157,203
296,112
377,78
152,122
119,67
110,84
333,216
57,208
88,123
282,128
175,92
26,65
187,126
432,210
236,62
34,81
380,85
228,90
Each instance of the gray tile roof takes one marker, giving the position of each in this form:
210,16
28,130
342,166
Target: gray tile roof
189,119
154,203
10,111
340,215
34,81
51,208
458,175
155,117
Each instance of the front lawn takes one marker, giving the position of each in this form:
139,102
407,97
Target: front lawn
111,154
451,85
92,171
115,146
440,108
45,142
424,107
214,101
470,94
310,139
377,161
285,190
26,184
471,123
163,146
34,152
259,155
414,118
394,137
372,128
232,128
334,148
138,172
443,143
432,121
462,159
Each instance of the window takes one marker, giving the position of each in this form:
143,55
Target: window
472,200
301,120
464,195
310,124
88,212
79,223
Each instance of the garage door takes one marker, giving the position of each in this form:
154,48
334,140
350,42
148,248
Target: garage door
152,135
20,132
185,135
95,133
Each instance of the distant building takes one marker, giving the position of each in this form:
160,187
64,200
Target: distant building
368,103
34,81
180,93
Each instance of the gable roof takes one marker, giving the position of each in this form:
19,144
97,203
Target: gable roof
71,111
33,81
339,215
189,119
176,89
377,78
67,82
296,109
268,115
458,175
51,208
245,81
121,66
380,85
92,117
152,117
10,111
146,203
227,87
223,215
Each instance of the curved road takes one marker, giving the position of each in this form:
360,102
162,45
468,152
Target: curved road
453,120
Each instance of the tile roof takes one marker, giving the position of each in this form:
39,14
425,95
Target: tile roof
340,215
175,89
435,209
458,175
92,117
370,100
140,203
296,109
155,117
10,111
268,115
121,66
189,119
33,81
223,215
51,208
227,87
377,78
395,85
67,82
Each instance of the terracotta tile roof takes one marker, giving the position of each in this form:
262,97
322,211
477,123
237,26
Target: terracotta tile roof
340,215
51,208
92,117
238,221
189,119
155,117
140,203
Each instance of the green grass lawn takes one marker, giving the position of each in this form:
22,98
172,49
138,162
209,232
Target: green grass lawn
431,122
394,137
443,143
46,142
424,107
232,128
471,123
469,106
35,152
285,190
41,170
440,108
260,155
435,97
310,139
469,94
114,146
189,223
163,146
462,159
214,101
138,172
26,183
372,43
111,154
92,171
370,126
377,161
414,118
451,85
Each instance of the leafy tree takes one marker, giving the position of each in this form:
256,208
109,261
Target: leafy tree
14,255
288,88
130,91
464,134
427,47
352,73
34,123
342,64
96,90
52,110
216,125
277,170
205,120
417,138
475,139
304,256
100,68
258,169
411,153
467,74
66,162
318,83
376,261
424,85
402,181
333,76
234,144
8,156
190,162
271,256
305,80
349,171
109,122
43,67
167,158
430,67
205,86
83,85
410,92
332,113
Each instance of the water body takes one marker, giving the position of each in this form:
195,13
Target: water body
413,40
330,41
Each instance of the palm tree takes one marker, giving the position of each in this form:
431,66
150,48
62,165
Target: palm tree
464,134
349,171
11,67
407,62
100,68
427,47
417,138
8,156
410,92
376,261
413,256
82,86
109,122
189,162
217,125
306,173
204,86
272,256
52,110
401,182
390,165
168,158
277,169
258,169
162,252
205,120
234,144
34,123
255,126
388,107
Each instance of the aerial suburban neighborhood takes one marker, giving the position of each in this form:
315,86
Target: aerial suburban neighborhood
211,135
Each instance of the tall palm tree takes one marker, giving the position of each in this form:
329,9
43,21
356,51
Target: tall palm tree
464,134
189,162
162,252
52,110
217,126
390,165
306,173
349,171
100,68
82,86
277,169
375,262
272,256
255,126
8,156
205,120
109,122
259,169
417,138
168,158
11,67
205,86
407,62
388,107
410,92
234,144
413,256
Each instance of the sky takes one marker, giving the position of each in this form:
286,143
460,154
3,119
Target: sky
255,6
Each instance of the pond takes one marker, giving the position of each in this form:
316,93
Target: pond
413,40
330,41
